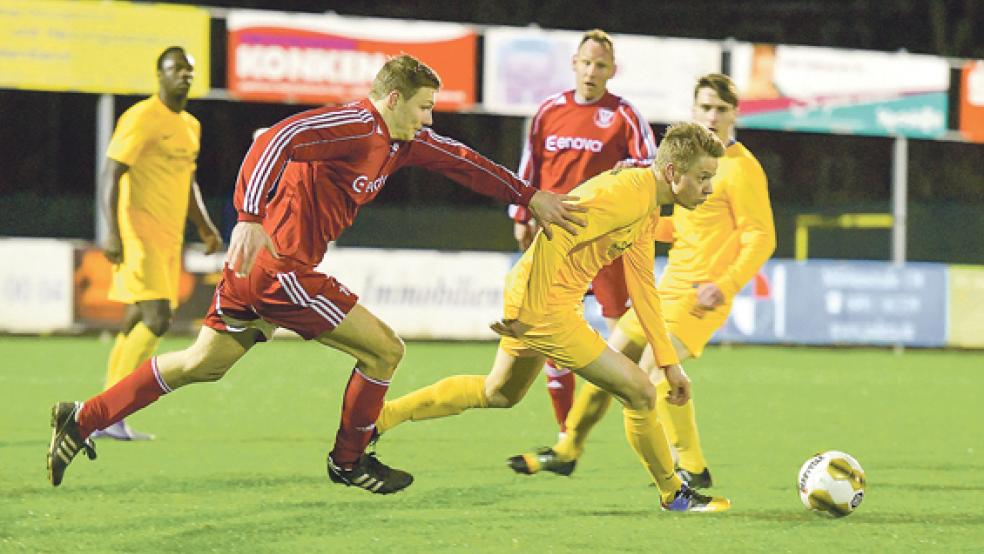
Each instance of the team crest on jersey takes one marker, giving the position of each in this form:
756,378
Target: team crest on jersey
604,118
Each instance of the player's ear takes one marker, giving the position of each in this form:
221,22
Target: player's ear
669,172
574,62
392,99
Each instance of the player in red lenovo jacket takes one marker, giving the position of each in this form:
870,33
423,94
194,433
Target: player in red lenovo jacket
574,136
300,186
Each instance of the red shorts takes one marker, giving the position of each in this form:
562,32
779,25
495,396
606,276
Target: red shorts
303,300
610,291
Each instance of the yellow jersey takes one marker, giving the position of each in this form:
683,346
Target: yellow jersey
550,279
726,239
161,148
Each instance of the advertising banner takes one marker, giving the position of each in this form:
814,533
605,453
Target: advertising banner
826,90
972,101
838,302
100,47
321,59
35,285
424,294
522,67
966,313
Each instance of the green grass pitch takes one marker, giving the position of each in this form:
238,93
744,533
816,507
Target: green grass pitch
239,465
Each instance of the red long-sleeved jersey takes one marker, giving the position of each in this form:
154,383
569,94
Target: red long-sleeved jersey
569,143
328,162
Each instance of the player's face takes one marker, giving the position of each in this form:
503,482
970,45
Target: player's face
715,114
410,114
176,74
692,188
593,67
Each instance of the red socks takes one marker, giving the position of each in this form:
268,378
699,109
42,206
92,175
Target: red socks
138,389
560,385
360,410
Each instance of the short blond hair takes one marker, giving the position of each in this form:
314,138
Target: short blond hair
405,74
683,143
599,36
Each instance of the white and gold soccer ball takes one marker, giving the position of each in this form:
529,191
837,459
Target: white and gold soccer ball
832,482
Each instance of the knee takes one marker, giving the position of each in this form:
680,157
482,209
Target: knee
501,399
382,362
158,323
642,396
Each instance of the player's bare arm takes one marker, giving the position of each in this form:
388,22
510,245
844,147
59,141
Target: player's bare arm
556,209
247,239
199,216
112,246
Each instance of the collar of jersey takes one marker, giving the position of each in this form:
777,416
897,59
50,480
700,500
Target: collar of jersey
381,127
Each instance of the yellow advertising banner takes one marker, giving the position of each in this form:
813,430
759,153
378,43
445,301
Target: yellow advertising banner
966,321
101,47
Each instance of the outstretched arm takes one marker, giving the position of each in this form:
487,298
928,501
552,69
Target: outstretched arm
468,168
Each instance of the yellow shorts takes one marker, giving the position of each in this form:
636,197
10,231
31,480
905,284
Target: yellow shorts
693,326
568,340
146,273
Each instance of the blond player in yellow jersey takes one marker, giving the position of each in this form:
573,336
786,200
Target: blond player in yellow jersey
148,189
543,313
717,249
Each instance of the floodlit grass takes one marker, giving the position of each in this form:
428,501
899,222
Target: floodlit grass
239,464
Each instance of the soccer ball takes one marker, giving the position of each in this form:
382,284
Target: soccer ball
831,482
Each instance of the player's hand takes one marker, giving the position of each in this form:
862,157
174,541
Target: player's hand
556,209
709,296
524,234
248,238
113,249
510,328
623,164
679,384
210,236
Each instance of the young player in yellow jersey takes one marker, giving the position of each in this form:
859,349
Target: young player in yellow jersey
717,248
543,315
148,189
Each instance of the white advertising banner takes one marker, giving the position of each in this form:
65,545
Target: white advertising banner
657,75
424,294
827,90
35,285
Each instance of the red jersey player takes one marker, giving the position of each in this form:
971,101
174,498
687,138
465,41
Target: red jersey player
574,136
300,186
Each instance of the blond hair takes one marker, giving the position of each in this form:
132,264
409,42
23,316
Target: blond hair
405,74
599,36
721,84
683,143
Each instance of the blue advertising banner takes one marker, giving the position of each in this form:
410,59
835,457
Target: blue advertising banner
840,302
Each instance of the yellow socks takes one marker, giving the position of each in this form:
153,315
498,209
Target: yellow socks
645,434
446,397
114,360
681,427
589,407
127,353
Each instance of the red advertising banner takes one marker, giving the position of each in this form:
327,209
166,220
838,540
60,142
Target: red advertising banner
972,101
318,59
